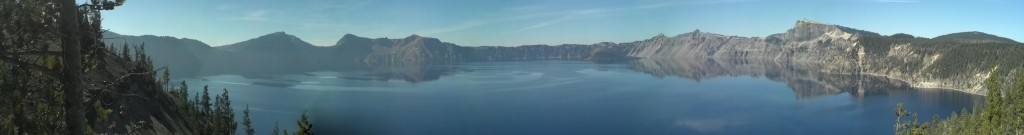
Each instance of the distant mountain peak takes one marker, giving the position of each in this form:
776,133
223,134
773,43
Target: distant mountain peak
807,21
413,37
809,24
350,36
805,30
660,35
279,34
270,42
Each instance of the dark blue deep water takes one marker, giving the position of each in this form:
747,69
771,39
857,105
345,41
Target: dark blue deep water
578,97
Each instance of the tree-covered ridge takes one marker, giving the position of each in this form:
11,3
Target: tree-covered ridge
58,77
951,57
47,47
1000,115
974,37
123,95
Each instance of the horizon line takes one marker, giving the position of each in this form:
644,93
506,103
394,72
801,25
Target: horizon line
655,35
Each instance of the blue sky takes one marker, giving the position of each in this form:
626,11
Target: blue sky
507,23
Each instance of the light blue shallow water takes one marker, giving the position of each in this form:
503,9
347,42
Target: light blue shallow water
568,97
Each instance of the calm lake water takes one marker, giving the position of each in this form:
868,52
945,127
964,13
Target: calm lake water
577,97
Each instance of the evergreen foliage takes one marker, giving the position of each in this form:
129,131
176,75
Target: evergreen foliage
246,122
276,130
902,35
955,57
1001,114
115,90
305,128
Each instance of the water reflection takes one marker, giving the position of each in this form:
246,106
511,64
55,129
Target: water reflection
409,73
646,96
806,79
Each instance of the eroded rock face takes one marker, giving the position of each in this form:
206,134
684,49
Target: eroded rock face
919,62
703,45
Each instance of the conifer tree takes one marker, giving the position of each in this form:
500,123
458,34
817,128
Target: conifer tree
165,80
225,115
205,101
305,128
183,92
124,52
276,130
247,122
216,117
993,105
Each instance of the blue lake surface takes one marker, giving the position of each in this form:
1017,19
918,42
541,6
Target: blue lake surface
578,97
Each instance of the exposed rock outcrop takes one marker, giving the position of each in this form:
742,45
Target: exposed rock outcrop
920,62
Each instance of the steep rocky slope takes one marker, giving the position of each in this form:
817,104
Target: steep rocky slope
952,62
413,49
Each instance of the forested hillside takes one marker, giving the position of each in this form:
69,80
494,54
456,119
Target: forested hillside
962,62
999,116
58,77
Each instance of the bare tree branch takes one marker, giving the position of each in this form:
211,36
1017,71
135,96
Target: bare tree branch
54,53
104,87
44,70
121,94
131,74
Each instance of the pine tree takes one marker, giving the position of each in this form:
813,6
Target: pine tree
216,117
72,61
276,130
246,122
199,121
305,128
165,80
205,102
183,92
993,105
205,110
226,115
901,127
124,52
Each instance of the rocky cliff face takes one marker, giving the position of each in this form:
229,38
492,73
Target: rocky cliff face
411,50
703,45
961,64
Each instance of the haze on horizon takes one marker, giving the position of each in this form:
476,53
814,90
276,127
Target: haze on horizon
509,23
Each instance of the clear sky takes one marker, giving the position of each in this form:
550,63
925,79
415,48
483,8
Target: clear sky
520,22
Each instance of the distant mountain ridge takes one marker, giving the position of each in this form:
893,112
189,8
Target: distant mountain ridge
277,41
974,37
921,62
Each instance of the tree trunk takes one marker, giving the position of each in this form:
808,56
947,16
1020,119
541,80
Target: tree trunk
72,59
